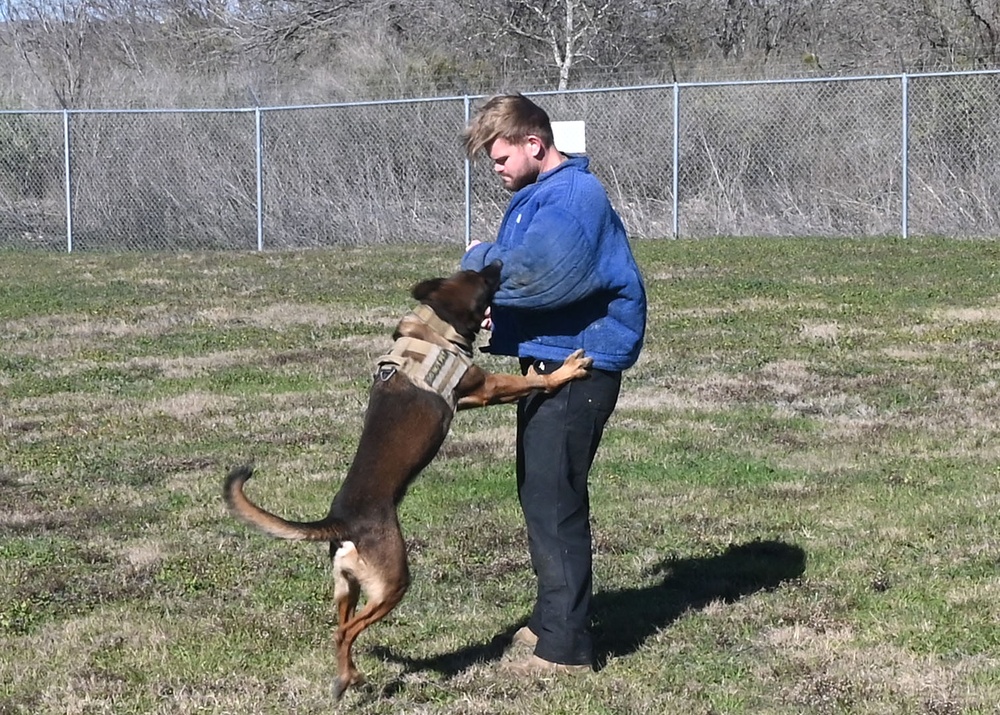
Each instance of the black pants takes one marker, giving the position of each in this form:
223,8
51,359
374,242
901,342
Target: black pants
557,438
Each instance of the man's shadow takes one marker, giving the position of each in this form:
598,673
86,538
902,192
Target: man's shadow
624,619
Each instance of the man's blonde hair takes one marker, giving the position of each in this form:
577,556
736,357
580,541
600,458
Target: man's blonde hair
512,117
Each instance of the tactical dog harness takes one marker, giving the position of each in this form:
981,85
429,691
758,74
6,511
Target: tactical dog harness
428,365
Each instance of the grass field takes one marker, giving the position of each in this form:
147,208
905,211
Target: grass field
795,507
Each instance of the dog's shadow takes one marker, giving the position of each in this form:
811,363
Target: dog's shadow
624,619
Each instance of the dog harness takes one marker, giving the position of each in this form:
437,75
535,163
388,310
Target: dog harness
430,366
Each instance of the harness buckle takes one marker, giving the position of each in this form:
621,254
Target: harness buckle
385,372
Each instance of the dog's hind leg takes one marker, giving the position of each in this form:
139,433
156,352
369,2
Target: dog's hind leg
374,611
346,589
383,588
346,592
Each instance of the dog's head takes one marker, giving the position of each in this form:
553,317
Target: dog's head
462,299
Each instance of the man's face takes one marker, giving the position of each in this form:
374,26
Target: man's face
515,163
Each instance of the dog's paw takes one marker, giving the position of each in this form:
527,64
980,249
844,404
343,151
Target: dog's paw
340,687
352,678
575,367
578,363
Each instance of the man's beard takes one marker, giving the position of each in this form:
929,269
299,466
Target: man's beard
520,182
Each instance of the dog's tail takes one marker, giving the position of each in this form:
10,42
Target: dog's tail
327,529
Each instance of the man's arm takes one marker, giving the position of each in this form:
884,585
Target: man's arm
555,264
477,256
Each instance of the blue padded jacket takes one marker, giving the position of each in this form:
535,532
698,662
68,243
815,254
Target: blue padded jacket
569,279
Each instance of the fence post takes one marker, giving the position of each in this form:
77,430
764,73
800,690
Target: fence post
259,142
676,157
68,185
905,183
468,178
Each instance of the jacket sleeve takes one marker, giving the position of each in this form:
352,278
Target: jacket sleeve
479,256
554,265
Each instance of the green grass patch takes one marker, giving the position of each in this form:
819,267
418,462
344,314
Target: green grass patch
795,505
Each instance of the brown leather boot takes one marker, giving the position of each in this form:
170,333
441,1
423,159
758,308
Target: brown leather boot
526,637
535,667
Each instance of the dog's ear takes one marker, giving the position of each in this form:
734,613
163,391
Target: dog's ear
425,288
491,274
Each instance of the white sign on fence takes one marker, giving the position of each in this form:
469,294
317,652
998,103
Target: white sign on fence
570,137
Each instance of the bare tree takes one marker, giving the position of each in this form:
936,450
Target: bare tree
54,42
136,52
293,28
561,31
66,44
986,20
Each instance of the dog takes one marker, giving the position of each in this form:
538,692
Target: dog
417,388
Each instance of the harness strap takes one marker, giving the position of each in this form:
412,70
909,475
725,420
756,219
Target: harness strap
427,365
428,317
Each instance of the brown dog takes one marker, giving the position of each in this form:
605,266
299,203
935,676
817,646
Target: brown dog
417,388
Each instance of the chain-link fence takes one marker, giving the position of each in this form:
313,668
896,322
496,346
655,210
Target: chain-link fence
865,156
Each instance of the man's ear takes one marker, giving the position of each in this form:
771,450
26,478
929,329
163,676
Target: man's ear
425,288
535,146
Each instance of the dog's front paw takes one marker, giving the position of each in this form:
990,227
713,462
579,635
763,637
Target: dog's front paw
576,365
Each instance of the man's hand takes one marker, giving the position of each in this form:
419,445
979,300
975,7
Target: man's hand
487,323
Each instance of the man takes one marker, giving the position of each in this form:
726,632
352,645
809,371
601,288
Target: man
569,281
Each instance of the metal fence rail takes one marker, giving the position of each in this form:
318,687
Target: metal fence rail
889,155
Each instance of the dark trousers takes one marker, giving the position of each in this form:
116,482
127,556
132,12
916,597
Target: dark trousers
557,438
